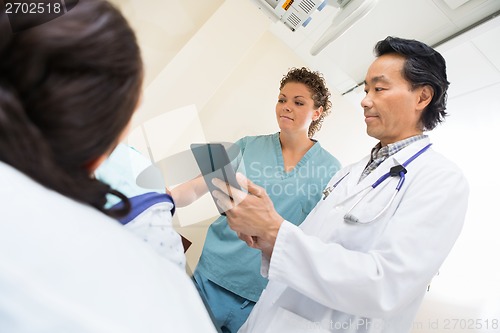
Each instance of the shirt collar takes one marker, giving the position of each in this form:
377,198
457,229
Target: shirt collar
383,152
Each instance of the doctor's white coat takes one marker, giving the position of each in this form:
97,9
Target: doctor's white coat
329,275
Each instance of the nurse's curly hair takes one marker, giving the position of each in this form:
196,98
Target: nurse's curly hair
319,92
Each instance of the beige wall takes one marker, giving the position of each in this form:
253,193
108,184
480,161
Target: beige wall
164,27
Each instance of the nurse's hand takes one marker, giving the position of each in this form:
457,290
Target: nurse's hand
251,214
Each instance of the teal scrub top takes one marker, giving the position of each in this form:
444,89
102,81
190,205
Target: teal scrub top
228,261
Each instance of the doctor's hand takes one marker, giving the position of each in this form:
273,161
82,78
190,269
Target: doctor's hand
257,243
250,240
250,214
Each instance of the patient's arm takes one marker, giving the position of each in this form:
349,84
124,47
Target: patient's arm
188,192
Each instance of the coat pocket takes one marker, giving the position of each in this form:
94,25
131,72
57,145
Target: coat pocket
287,321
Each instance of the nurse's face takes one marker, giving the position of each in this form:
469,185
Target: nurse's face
392,109
295,108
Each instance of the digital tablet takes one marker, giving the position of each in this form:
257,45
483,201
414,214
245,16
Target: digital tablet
213,161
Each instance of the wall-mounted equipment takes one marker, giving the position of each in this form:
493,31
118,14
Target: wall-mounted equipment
350,12
293,13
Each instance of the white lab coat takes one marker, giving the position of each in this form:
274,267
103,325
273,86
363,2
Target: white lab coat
66,267
328,275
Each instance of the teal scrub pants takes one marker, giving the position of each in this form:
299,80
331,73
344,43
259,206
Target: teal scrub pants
228,310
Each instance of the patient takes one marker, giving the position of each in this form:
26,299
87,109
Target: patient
68,89
152,210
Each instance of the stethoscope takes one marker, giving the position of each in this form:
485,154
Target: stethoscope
397,170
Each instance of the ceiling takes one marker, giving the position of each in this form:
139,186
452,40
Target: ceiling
344,60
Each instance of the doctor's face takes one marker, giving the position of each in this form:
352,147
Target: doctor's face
391,108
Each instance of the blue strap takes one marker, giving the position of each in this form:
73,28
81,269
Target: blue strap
401,174
417,154
142,202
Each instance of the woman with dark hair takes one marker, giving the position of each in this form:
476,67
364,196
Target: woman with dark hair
68,89
294,169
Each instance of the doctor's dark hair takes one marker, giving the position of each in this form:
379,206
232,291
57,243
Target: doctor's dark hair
320,94
423,66
68,89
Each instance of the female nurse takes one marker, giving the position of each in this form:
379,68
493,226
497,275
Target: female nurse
292,167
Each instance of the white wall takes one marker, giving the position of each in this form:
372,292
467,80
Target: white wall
468,284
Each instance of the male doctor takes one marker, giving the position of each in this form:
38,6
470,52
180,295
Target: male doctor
363,258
